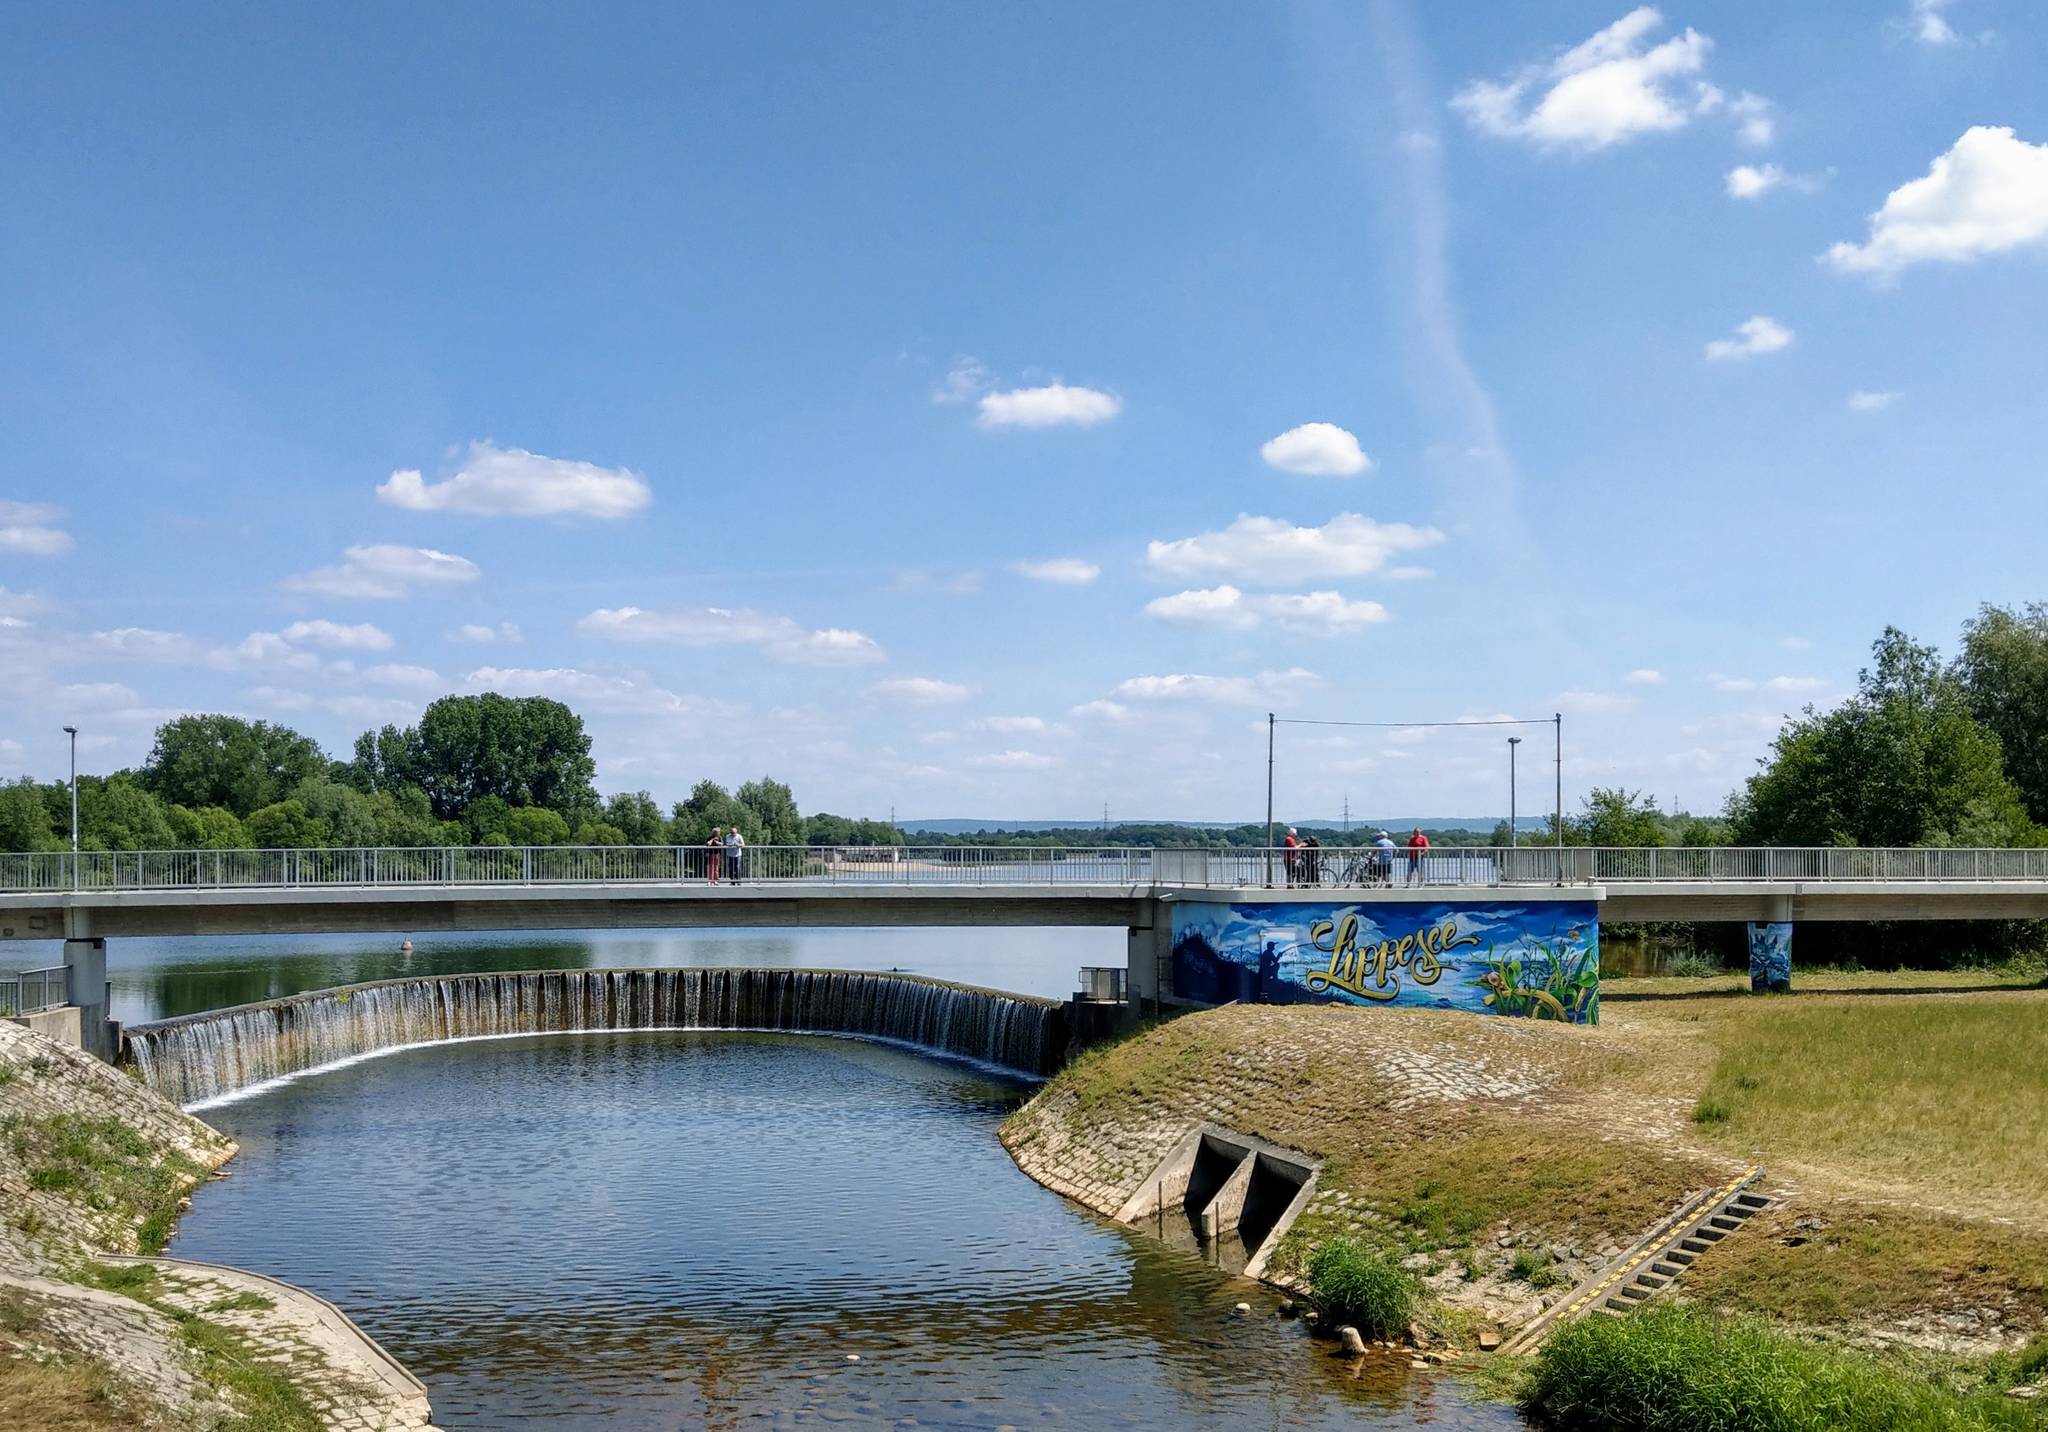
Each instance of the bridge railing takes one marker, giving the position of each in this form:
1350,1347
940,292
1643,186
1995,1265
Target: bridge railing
26,991
967,865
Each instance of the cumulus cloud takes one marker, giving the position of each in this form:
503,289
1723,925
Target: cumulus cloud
480,634
1268,550
1752,336
1925,23
1322,613
27,529
920,691
1612,88
335,636
1276,687
779,636
1316,450
1015,761
967,378
1109,711
1645,676
588,690
1054,405
1869,402
1059,571
512,482
384,572
1013,725
1722,682
1987,195
1753,181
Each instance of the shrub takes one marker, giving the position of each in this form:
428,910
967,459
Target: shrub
1676,1369
1710,1111
1358,1286
1534,1268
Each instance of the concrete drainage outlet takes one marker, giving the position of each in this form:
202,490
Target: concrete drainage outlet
1225,1195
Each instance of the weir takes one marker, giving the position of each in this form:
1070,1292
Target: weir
205,1056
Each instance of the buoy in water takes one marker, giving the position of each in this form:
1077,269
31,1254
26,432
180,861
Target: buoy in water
405,947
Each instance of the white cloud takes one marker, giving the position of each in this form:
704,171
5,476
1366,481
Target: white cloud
967,378
921,691
27,530
1326,613
1645,676
1109,711
1060,571
1278,687
721,626
1752,336
1730,683
1753,181
1051,406
1795,683
167,648
625,695
478,633
1015,761
383,572
1408,574
1866,402
1987,195
1316,450
512,482
1610,89
1775,683
100,695
1269,550
396,674
1925,24
1013,725
334,636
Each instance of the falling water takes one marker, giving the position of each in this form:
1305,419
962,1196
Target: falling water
205,1056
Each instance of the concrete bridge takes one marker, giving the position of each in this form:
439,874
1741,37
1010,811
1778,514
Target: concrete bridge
87,899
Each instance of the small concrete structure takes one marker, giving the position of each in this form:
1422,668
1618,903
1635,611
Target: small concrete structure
1228,1182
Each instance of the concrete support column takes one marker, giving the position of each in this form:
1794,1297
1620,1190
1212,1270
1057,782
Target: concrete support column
86,959
1148,969
1770,948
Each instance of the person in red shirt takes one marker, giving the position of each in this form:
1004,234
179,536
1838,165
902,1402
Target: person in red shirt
1417,843
1292,859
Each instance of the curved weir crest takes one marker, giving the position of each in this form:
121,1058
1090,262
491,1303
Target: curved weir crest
204,1057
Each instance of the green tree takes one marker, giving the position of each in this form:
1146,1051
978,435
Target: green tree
774,806
1902,762
524,750
600,832
635,815
709,805
1618,817
2004,671
25,819
530,825
217,760
286,825
116,813
208,828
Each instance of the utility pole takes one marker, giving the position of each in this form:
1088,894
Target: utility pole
1269,797
1557,723
1347,812
72,732
1513,840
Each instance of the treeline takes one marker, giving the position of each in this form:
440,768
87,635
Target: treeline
477,770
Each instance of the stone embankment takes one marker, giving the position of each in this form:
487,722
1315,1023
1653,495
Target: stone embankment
93,1169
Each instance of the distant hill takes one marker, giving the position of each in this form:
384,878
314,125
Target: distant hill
960,826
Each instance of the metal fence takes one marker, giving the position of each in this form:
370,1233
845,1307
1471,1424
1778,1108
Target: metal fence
26,991
966,865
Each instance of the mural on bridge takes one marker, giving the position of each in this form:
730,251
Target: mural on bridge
1770,957
1537,961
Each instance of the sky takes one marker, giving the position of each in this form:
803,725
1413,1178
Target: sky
984,411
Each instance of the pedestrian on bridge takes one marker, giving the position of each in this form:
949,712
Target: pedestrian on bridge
735,847
715,848
1417,844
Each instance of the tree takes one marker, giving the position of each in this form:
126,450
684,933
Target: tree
635,815
116,813
711,805
1902,762
208,828
225,761
25,819
2004,672
1618,817
286,825
524,750
531,825
774,805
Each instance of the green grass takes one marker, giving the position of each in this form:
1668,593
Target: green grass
266,1399
1534,1267
1675,1369
134,1280
1361,1287
1710,1111
2014,974
2022,1368
106,1166
242,1301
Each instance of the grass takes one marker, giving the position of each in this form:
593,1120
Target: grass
1676,1369
1947,1095
106,1166
2020,974
242,1301
1535,1267
1360,1287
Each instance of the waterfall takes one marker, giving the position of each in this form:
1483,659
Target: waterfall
204,1056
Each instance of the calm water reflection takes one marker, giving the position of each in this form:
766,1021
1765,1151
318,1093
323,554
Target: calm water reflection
159,978
684,1230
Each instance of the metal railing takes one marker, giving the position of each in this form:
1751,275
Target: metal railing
27,991
999,866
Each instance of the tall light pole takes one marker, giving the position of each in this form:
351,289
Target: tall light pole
72,732
1513,741
1269,798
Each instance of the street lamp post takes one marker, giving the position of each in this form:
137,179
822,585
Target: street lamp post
72,732
1513,741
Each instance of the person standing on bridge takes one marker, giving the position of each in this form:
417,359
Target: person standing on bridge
735,847
714,855
1417,844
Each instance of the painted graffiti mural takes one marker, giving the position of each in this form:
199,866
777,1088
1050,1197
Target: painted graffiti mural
1770,957
1537,960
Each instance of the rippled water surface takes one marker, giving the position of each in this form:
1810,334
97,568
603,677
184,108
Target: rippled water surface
685,1230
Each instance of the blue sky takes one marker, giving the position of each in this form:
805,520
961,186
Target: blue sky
996,410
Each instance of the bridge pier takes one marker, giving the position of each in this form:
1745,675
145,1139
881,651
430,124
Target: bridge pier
1148,969
1770,948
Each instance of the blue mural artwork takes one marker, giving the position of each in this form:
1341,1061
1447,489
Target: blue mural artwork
1770,957
1536,960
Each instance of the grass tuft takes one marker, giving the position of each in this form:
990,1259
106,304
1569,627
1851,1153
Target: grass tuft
1361,1287
1534,1267
106,1166
1677,1369
1710,1110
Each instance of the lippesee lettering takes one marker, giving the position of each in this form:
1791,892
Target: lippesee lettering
1375,972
